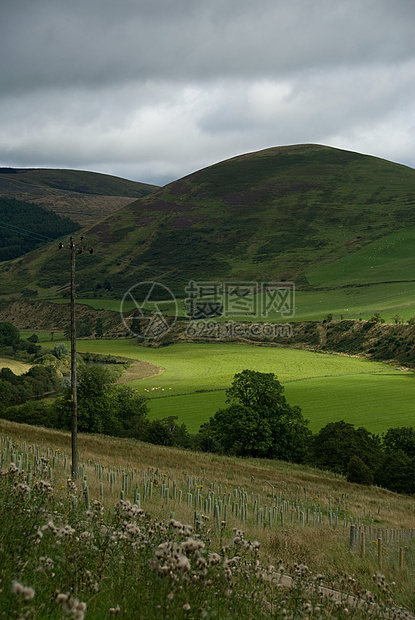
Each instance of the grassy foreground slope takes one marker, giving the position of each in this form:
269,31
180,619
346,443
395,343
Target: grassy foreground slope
295,520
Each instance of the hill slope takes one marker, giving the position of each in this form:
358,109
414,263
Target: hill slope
264,216
85,197
18,216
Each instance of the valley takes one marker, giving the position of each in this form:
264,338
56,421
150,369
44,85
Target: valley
337,230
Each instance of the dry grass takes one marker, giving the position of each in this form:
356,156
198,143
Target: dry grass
255,475
17,367
323,546
140,370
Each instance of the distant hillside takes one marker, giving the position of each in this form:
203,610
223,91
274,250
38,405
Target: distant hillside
281,213
17,217
85,197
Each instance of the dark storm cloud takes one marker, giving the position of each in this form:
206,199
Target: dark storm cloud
50,42
162,87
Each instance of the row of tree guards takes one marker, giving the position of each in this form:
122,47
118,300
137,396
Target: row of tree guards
360,534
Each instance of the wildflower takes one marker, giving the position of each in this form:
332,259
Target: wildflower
25,591
45,563
132,529
186,607
183,563
192,545
23,489
170,596
71,605
45,487
115,610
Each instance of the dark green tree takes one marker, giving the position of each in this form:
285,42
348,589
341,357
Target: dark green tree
258,422
9,335
102,406
400,438
242,431
131,410
167,432
397,473
335,444
358,471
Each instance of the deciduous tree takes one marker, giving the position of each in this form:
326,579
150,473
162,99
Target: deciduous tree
258,422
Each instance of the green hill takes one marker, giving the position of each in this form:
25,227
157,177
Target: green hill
307,213
85,197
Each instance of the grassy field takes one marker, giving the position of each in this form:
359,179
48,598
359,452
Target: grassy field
44,336
192,367
327,387
17,367
384,260
389,299
376,402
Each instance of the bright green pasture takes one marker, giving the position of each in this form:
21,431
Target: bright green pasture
189,367
192,409
357,301
327,387
388,259
376,402
314,305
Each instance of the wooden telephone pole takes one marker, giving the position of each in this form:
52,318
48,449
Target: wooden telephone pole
74,249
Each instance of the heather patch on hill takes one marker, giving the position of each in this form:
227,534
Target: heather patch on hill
273,215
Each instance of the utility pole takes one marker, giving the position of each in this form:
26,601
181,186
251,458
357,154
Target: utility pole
72,246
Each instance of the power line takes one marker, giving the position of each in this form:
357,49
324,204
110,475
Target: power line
24,231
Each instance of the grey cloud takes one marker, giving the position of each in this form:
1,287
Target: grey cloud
155,89
51,42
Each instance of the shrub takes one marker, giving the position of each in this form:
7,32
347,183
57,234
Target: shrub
358,471
60,350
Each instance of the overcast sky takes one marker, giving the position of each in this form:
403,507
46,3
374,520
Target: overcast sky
152,90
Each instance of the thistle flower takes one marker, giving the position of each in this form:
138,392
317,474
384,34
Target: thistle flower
27,592
115,610
71,605
214,558
191,545
23,489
